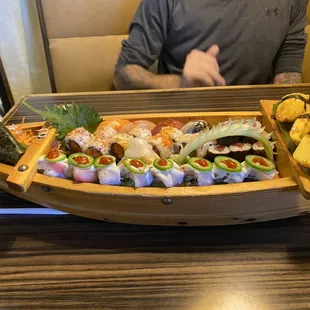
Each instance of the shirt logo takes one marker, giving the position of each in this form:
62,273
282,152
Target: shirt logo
272,11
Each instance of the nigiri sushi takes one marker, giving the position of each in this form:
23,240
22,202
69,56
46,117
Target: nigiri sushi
55,164
259,168
108,172
116,124
198,172
167,173
83,168
77,139
228,170
135,173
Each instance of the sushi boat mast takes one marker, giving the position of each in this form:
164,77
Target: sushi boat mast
192,205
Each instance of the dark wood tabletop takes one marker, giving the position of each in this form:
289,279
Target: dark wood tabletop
67,262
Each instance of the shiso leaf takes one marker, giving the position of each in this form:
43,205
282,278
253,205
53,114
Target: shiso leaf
231,128
10,149
66,117
275,108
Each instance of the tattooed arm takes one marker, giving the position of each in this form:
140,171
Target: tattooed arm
288,63
288,78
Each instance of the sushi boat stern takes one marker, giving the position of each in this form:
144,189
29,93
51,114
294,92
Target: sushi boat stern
226,204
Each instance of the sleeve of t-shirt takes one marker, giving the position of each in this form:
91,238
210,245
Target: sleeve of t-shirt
291,54
147,33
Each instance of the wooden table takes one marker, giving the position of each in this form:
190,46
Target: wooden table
62,262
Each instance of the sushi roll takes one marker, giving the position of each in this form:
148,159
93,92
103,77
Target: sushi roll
83,168
55,164
77,140
259,168
166,173
97,147
259,150
119,145
217,150
106,133
174,133
227,141
228,170
108,172
141,133
163,145
135,173
198,172
239,151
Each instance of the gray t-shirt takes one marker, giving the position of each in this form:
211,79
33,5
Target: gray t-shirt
257,38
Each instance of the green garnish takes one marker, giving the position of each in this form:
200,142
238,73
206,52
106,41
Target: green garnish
81,160
61,157
229,129
260,163
136,166
66,117
200,164
227,164
163,164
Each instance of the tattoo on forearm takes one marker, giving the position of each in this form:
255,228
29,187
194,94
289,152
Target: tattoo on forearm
288,78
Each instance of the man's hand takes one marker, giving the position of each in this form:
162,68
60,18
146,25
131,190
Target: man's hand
202,69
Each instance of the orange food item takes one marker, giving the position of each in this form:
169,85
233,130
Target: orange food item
116,123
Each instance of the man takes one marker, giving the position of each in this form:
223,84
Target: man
213,42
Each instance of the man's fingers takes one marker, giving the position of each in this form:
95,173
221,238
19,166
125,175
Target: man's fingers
217,78
213,50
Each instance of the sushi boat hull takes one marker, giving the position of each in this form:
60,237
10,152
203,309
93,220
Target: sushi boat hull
227,204
216,205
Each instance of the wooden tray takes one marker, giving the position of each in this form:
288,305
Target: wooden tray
195,206
300,174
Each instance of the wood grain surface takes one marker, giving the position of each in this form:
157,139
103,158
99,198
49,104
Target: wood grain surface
67,262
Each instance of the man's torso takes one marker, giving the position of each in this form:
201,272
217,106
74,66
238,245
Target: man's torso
248,32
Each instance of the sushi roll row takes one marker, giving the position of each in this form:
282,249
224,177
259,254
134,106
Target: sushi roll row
162,173
237,151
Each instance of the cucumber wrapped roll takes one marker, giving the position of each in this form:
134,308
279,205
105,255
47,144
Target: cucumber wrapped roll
166,173
108,172
55,164
198,172
83,168
259,168
228,170
135,173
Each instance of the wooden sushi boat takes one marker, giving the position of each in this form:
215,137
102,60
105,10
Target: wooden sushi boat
224,204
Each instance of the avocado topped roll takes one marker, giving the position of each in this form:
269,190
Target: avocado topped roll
83,168
55,164
166,173
228,170
259,168
135,173
108,172
198,172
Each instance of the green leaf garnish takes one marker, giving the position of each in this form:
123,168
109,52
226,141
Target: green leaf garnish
66,117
